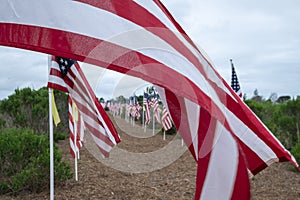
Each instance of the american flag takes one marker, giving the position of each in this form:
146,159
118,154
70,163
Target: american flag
142,39
234,81
66,75
156,109
137,108
76,128
166,119
147,109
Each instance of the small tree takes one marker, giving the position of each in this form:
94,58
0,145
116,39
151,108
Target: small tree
24,158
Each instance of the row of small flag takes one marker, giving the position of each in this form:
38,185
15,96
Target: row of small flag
133,109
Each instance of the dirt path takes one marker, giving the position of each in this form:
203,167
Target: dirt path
144,166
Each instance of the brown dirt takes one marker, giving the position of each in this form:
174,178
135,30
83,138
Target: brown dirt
159,178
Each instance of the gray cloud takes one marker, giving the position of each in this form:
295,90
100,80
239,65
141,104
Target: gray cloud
20,68
262,38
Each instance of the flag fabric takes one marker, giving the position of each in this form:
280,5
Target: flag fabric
76,127
142,39
55,114
166,119
156,109
136,108
147,109
234,81
213,147
66,75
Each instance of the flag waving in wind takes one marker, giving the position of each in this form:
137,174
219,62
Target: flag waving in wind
66,75
234,81
142,39
76,128
146,107
166,120
156,109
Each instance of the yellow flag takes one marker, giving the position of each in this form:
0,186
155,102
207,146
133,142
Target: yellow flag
54,111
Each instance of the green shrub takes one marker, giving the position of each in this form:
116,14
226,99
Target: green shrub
59,136
2,123
171,131
296,152
25,164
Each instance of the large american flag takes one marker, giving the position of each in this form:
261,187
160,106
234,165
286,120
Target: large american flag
234,81
66,75
142,39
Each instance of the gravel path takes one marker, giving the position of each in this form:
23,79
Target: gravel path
144,166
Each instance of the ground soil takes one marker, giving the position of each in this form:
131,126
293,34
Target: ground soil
144,166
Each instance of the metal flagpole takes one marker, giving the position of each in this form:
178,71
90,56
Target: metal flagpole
75,144
51,137
143,120
164,138
153,123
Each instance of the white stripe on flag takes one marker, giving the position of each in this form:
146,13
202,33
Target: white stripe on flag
224,157
193,112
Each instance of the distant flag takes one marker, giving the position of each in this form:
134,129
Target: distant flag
55,114
66,75
156,109
225,137
137,108
166,119
147,109
234,81
76,128
102,104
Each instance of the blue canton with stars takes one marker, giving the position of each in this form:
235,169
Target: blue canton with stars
64,65
234,80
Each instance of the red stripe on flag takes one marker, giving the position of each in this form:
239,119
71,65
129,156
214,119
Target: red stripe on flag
205,144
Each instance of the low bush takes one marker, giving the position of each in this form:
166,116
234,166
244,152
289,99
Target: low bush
296,152
25,164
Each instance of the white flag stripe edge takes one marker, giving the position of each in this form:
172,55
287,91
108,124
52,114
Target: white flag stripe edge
55,79
73,145
76,97
160,55
99,116
106,129
162,95
86,117
193,112
224,157
250,139
101,144
156,11
41,22
199,53
145,39
48,2
65,18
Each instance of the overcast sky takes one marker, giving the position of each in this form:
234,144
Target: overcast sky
262,38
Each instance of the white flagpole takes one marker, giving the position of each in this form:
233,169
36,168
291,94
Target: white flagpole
51,137
76,149
76,169
143,120
133,121
153,123
164,138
